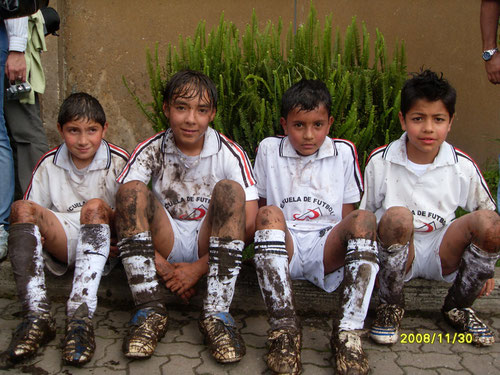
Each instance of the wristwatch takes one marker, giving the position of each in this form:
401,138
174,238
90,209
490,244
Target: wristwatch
488,54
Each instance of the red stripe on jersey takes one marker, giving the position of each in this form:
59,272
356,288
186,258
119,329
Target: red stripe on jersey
374,151
119,150
244,159
485,185
355,157
138,148
44,156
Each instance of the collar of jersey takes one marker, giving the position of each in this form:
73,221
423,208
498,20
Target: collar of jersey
396,153
326,150
102,158
211,145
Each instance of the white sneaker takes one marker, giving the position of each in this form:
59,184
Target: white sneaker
4,236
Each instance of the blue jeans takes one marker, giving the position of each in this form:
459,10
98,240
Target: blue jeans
6,161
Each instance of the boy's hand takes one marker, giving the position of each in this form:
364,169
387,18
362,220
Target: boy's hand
163,269
113,249
488,287
183,278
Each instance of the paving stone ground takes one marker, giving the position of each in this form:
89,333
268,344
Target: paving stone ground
182,351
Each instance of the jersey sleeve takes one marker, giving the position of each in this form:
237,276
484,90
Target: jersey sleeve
38,190
371,200
353,186
144,162
260,171
238,168
476,193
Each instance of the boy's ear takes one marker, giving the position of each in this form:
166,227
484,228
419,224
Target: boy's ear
283,125
104,129
402,120
212,116
451,120
59,129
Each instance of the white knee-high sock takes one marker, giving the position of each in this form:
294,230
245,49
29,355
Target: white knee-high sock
224,263
361,267
137,254
25,252
92,251
271,263
476,267
392,273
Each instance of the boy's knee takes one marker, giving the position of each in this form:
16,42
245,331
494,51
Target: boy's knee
23,211
486,230
228,195
270,217
363,224
396,226
95,211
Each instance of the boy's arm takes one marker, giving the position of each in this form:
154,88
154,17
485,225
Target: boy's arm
347,208
490,12
251,208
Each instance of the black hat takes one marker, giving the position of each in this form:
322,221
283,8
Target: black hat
52,20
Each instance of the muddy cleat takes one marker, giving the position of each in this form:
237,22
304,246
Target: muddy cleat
283,356
35,330
349,356
386,324
79,343
465,320
222,337
147,327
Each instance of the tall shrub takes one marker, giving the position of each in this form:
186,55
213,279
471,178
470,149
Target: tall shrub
253,67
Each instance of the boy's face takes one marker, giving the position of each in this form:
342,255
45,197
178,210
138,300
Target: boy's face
307,130
189,120
83,139
427,124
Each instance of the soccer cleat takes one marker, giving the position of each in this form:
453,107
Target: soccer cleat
79,343
222,337
283,356
35,330
349,356
147,327
465,320
385,327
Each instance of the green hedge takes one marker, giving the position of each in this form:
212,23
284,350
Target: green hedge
254,66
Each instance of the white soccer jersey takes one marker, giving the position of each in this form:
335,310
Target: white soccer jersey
310,190
185,189
453,180
55,185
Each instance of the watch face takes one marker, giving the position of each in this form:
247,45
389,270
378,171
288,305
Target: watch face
486,55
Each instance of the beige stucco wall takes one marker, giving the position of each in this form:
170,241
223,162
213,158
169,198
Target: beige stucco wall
103,40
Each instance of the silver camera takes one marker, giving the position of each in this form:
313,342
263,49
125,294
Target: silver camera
17,91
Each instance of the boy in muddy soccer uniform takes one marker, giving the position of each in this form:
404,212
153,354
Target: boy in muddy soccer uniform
65,220
196,219
414,185
308,228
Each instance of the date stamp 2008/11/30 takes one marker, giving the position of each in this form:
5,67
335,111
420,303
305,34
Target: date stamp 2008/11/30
436,338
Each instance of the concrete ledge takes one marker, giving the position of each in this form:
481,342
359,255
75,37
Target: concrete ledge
421,295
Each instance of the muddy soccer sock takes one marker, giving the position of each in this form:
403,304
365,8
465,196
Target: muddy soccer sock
360,269
224,263
271,263
92,251
392,273
25,251
476,267
138,255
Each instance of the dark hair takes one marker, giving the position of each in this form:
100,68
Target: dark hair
189,84
81,106
306,95
429,86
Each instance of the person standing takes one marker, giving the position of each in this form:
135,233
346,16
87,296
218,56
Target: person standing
13,39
